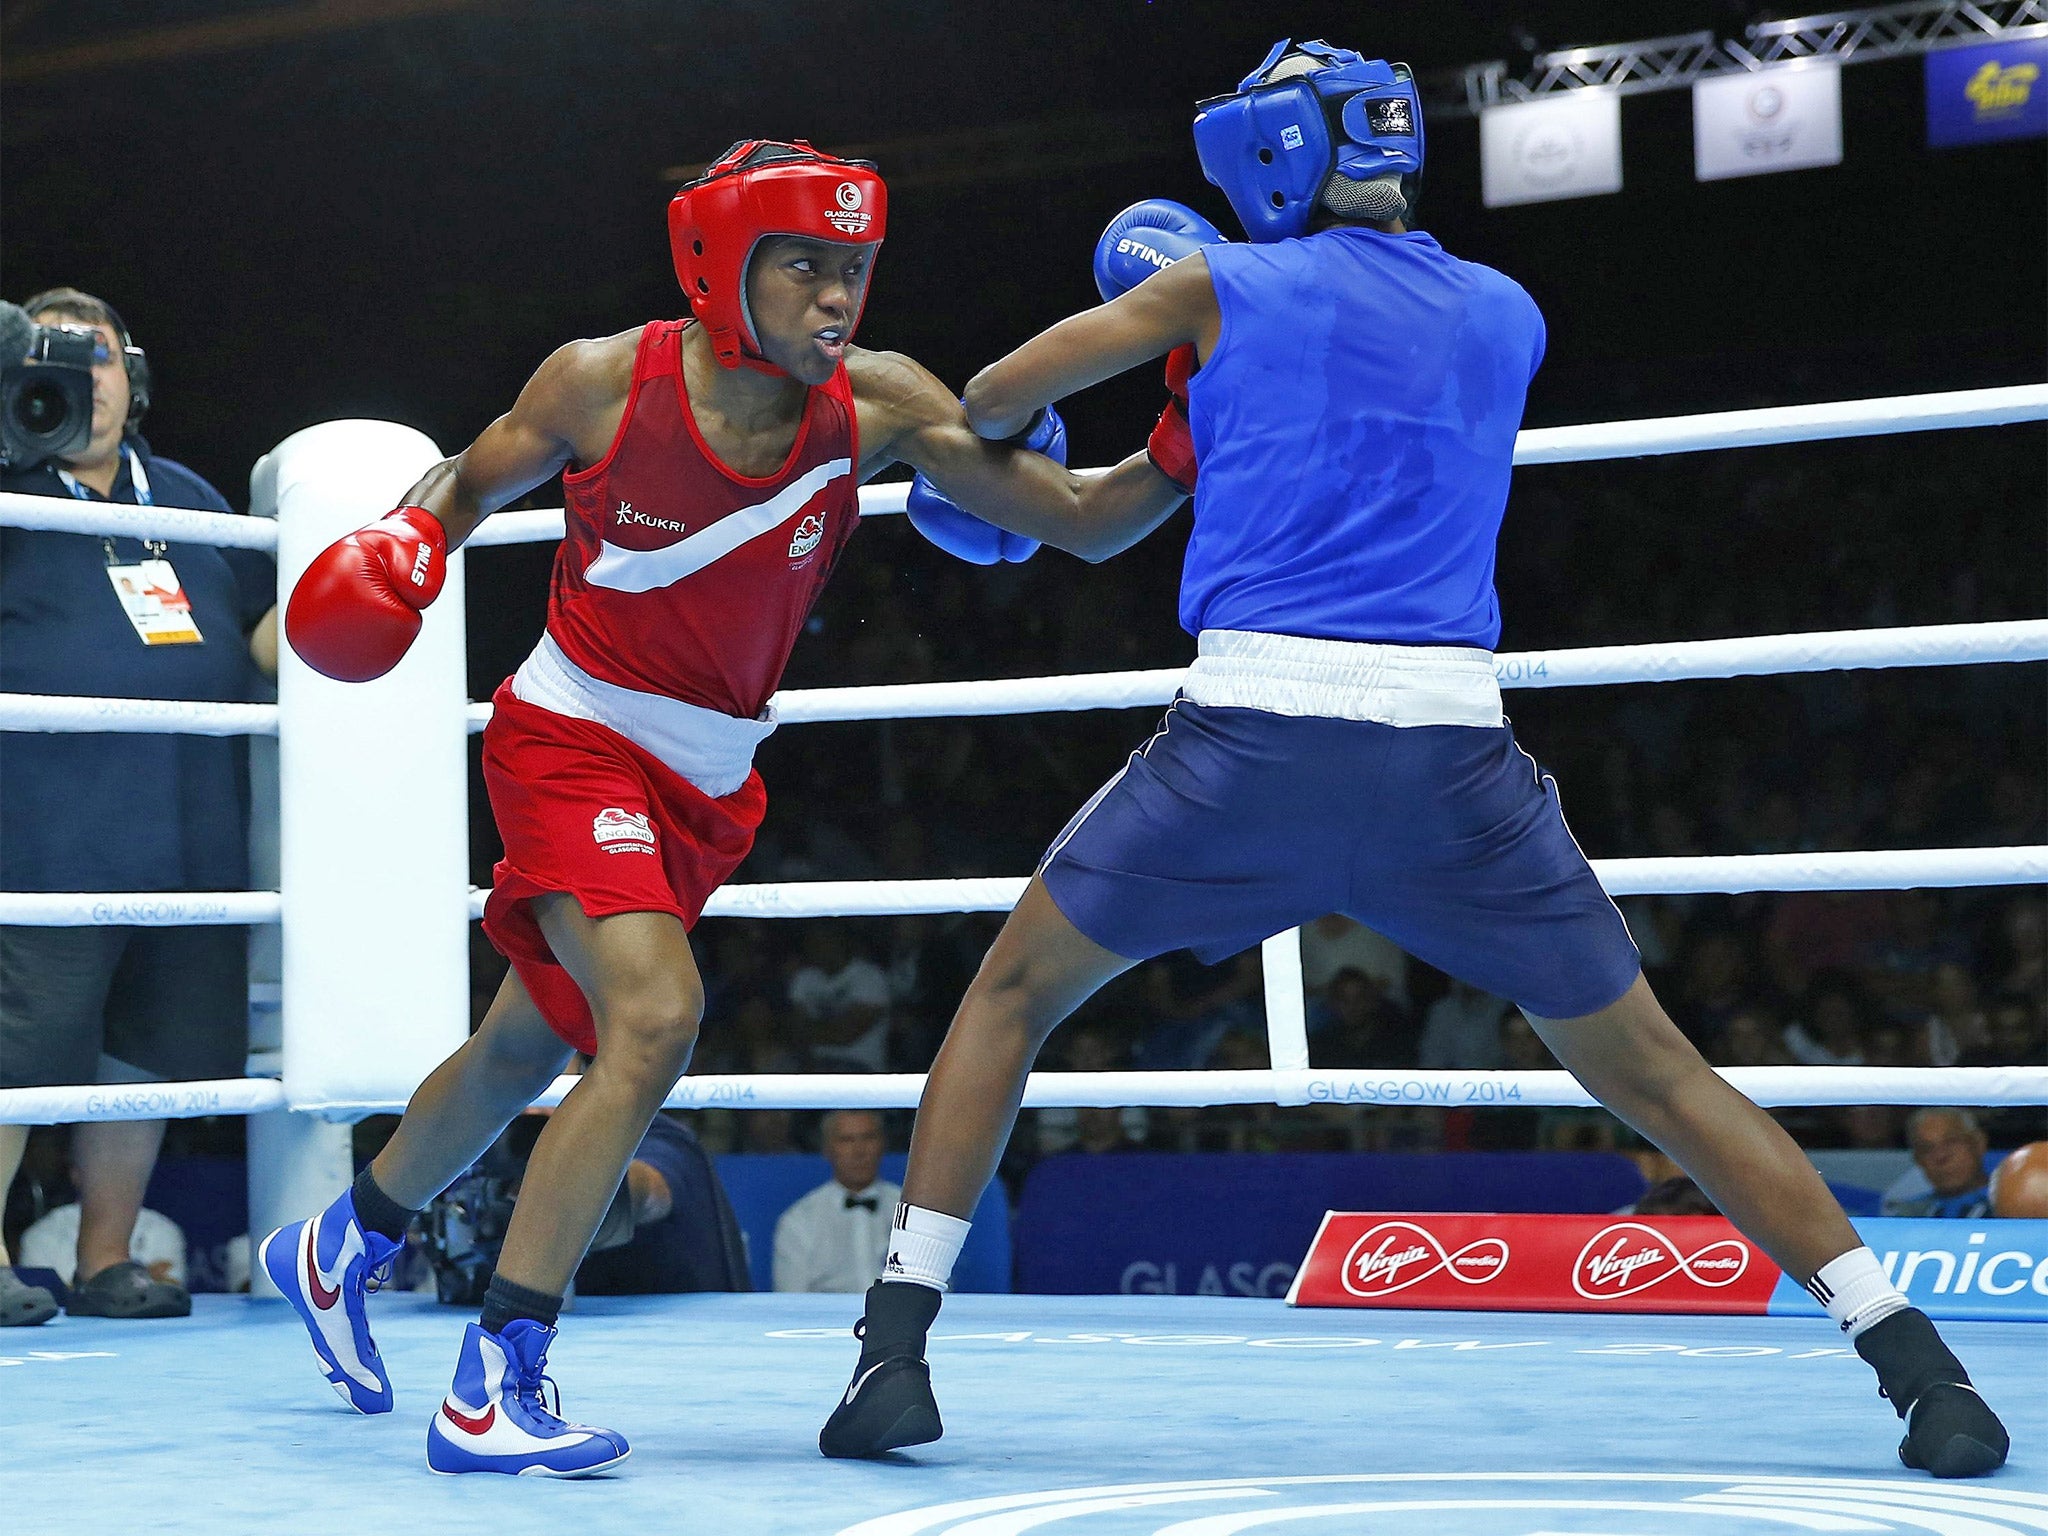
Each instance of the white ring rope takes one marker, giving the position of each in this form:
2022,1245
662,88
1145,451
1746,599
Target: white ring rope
1728,874
154,717
142,1101
1925,645
177,525
137,909
1536,445
1781,1087
1584,444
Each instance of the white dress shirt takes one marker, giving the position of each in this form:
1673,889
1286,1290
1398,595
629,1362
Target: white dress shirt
824,1244
821,997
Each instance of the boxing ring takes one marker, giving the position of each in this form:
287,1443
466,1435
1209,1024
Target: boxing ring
1193,1416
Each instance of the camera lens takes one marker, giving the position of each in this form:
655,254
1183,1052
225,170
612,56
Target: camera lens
40,408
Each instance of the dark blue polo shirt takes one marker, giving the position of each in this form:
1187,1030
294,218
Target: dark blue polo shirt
100,812
696,1247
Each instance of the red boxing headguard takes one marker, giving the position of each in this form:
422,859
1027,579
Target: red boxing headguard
763,187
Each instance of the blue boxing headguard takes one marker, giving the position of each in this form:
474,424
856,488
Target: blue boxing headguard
1326,126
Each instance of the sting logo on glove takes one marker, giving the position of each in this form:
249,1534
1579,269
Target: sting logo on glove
356,610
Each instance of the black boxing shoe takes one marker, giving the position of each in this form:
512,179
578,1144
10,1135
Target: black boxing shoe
889,1404
1950,1430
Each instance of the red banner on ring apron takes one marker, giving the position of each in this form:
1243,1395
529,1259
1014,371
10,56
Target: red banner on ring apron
1521,1263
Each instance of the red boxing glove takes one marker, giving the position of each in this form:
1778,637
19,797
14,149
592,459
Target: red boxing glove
356,609
1172,444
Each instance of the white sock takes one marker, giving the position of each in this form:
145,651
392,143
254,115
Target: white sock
923,1245
1855,1292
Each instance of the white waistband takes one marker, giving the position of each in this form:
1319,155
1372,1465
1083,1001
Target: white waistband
1345,679
711,750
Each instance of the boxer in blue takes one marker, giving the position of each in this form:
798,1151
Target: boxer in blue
1347,394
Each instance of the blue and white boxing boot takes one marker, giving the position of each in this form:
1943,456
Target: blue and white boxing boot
495,1418
325,1267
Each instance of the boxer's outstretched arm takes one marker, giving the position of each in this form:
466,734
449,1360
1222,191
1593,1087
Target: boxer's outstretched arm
1176,306
907,416
568,408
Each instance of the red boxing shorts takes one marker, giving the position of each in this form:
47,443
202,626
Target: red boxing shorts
581,809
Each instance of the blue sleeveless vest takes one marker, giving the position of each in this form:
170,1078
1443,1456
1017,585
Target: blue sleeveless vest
1355,428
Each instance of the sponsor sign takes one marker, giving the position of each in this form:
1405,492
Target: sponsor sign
1952,1269
1995,91
1783,119
1510,1263
1632,1264
1539,151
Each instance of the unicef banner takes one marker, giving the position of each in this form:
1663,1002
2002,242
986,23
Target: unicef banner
1952,1269
1978,95
1562,146
1783,119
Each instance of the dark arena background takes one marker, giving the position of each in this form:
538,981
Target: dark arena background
314,211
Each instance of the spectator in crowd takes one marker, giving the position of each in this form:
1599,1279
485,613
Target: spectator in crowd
753,1037
1815,931
121,617
1462,1029
1195,1006
1955,1026
1674,1197
671,1227
1948,1152
1901,974
844,1000
835,1237
1835,1029
1357,1025
2024,933
1752,1038
1336,943
157,1244
1091,1128
2019,1185
1715,986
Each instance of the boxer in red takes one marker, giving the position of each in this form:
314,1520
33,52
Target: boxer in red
710,467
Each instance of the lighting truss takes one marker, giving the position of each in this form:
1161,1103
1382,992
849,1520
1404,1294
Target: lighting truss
1671,63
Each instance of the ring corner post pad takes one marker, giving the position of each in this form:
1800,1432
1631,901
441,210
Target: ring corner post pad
358,1033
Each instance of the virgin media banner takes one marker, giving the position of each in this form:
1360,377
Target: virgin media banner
1694,1264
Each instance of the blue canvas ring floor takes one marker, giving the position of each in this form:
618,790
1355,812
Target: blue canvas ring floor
1078,1416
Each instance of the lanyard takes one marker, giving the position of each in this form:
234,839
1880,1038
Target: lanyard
138,480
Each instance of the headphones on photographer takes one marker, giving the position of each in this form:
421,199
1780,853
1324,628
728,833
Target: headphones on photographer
133,361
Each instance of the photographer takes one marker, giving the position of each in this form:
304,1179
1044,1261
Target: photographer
121,617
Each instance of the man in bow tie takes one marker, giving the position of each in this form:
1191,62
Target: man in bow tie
835,1237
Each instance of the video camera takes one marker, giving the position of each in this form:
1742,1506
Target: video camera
45,389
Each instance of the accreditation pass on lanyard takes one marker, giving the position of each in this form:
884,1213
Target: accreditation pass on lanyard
150,592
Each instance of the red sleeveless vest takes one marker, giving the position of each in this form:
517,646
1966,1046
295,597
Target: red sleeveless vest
677,576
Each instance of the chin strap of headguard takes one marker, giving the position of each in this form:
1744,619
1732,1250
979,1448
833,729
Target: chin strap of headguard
1314,125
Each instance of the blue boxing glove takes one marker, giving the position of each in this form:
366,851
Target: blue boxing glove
1145,238
959,532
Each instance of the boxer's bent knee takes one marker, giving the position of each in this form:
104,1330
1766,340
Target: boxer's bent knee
650,1031
518,1045
1017,991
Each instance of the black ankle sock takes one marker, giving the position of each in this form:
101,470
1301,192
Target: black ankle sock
377,1211
505,1301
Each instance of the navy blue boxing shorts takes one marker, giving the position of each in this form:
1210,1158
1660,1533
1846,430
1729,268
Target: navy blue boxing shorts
1233,824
